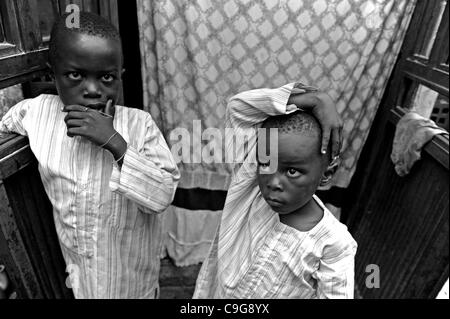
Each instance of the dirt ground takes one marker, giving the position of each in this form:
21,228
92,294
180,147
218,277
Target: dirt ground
177,282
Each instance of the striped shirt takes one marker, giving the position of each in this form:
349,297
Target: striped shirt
254,255
106,216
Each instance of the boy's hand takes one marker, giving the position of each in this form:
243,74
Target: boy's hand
91,124
322,106
326,113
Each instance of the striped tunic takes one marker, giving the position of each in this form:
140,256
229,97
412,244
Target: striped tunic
254,255
106,217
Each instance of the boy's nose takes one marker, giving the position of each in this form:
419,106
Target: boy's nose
92,90
274,183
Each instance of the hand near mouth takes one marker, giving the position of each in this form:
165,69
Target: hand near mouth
108,109
97,127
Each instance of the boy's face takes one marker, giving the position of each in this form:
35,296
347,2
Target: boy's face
299,172
88,70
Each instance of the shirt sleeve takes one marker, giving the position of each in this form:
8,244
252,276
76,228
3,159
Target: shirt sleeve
207,279
149,175
336,274
14,120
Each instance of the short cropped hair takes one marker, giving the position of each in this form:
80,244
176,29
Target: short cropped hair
300,122
90,24
296,122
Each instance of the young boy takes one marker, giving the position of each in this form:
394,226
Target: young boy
106,169
276,238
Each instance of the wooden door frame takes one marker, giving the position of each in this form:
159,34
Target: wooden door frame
391,109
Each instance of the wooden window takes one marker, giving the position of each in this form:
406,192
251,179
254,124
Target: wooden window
48,10
25,30
431,104
9,29
22,54
2,31
426,60
429,27
422,72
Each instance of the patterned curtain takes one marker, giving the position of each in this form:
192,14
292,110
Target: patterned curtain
197,54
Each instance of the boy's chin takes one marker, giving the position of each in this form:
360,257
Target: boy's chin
282,211
278,208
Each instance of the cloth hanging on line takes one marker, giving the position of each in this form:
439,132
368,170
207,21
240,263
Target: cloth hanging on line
197,54
412,132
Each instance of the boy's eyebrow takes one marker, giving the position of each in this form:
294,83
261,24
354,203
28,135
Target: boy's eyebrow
68,65
292,162
289,163
72,66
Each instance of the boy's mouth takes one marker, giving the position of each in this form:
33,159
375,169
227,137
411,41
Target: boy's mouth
273,202
97,106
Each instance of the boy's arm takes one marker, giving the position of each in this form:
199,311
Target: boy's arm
246,112
336,273
250,108
13,120
148,176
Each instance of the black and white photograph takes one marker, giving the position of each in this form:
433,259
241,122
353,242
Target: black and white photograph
219,156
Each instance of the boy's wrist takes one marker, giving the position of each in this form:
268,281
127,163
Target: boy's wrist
305,101
306,88
117,146
303,96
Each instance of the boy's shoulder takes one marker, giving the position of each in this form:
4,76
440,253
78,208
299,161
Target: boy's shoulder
47,99
340,232
134,115
41,104
334,233
131,111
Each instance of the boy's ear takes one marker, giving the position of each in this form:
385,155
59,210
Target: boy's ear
329,172
123,71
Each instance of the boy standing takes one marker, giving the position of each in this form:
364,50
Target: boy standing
276,239
106,169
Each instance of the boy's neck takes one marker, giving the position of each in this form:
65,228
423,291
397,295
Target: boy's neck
304,218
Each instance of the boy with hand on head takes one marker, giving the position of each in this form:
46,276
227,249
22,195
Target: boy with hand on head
106,168
276,238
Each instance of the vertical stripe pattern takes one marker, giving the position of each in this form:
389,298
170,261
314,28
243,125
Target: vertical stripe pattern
254,255
107,218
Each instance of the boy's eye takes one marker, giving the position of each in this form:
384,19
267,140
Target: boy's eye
108,78
75,76
263,167
292,172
